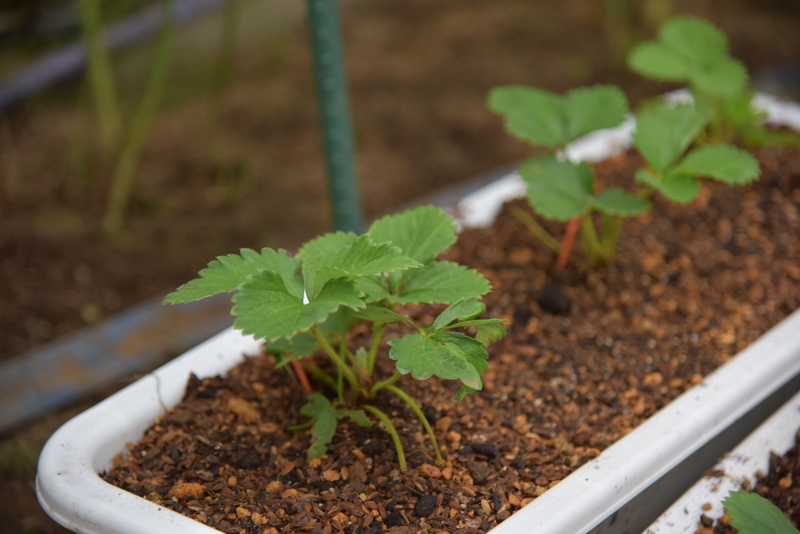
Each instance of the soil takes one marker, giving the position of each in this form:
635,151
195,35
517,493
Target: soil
781,486
589,356
418,73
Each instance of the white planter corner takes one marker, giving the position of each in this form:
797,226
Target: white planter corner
71,492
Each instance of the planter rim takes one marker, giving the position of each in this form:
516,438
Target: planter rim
71,492
776,434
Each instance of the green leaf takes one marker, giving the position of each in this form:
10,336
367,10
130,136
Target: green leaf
695,38
228,273
721,162
691,50
659,61
472,349
358,416
441,282
676,186
266,309
325,418
753,514
374,287
533,115
326,244
594,108
424,357
615,201
488,329
462,310
663,132
463,392
544,118
421,233
379,314
726,79
286,350
558,190
361,258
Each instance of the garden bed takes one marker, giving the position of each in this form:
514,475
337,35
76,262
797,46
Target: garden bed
589,356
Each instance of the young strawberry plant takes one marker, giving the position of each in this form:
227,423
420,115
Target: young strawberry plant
559,189
751,513
663,134
309,302
691,50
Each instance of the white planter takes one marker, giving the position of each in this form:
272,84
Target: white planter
73,494
776,434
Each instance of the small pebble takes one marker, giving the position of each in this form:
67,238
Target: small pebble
275,487
429,471
193,490
425,506
480,472
484,449
553,300
331,475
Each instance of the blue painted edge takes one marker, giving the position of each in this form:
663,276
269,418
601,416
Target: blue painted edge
134,341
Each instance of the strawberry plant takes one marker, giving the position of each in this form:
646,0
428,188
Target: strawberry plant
691,50
663,134
309,302
561,190
751,513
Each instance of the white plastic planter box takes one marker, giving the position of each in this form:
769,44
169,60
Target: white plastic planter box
72,493
776,434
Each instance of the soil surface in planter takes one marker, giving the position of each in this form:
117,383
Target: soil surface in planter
589,355
781,486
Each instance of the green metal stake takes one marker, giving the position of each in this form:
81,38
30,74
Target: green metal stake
337,132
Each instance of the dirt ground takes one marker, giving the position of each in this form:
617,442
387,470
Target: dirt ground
251,175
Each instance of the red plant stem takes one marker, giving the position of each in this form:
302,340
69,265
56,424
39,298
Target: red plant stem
301,375
567,242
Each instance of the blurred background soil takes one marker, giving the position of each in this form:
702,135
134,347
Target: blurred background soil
241,166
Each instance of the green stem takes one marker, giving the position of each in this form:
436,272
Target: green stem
385,384
609,235
145,115
318,373
101,75
301,427
401,456
537,229
377,336
589,240
413,405
335,357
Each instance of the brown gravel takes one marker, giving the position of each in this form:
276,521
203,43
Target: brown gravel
691,286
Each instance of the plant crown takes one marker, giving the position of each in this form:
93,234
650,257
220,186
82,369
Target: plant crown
693,51
751,513
310,301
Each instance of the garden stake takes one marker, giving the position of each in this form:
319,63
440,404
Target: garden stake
334,114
